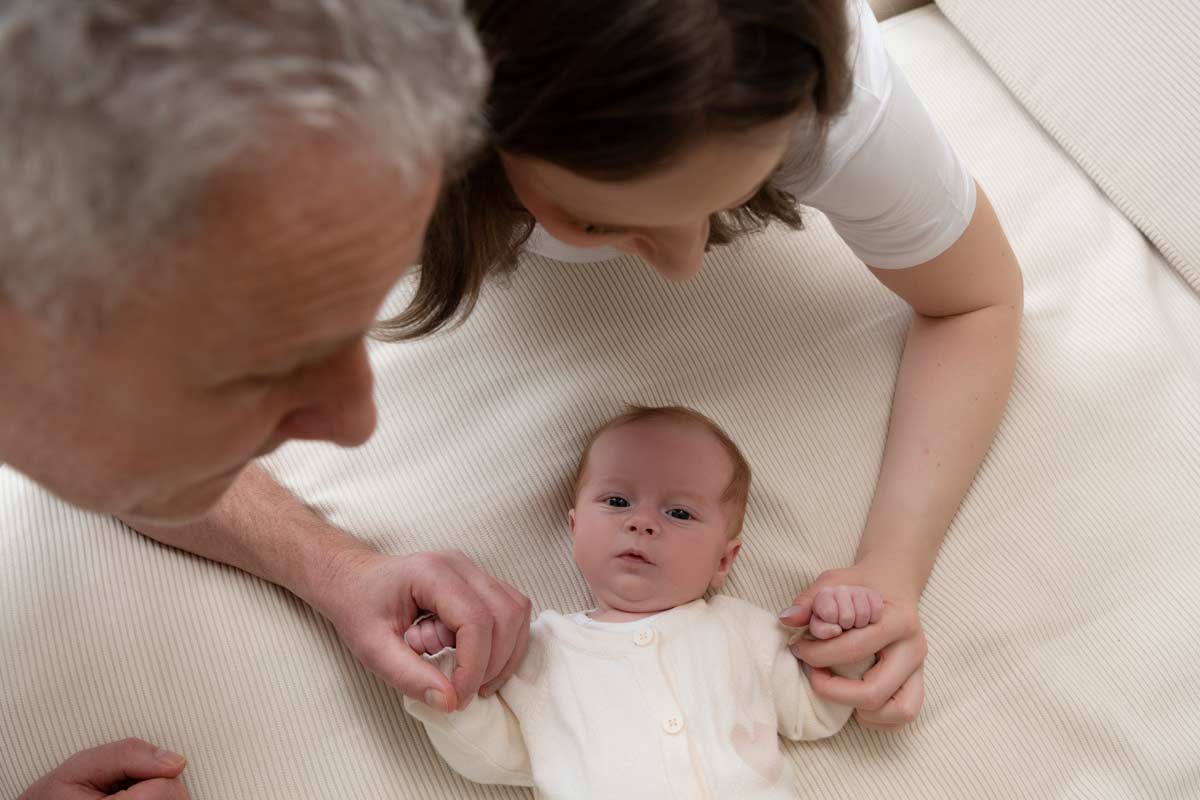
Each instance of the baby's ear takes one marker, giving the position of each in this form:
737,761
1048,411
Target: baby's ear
732,548
571,520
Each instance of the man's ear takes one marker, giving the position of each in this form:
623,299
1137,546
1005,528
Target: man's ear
571,521
732,548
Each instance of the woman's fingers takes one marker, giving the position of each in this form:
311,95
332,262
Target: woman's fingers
895,624
821,629
898,711
851,646
876,600
896,664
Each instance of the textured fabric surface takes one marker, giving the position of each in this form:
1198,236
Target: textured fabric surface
890,8
1118,87
1063,658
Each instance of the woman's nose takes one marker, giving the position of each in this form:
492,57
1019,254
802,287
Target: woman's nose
676,253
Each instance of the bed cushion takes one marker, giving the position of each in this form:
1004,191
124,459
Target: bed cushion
1063,658
1118,87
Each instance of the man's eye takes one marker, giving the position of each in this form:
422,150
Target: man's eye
679,513
617,502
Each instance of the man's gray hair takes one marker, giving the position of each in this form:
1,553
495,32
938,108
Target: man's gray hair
114,114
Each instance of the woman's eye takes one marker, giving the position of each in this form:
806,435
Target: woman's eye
617,502
599,230
679,513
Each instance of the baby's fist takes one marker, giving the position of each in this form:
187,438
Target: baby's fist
840,608
429,636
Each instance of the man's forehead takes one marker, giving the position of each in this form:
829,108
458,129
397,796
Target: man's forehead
272,274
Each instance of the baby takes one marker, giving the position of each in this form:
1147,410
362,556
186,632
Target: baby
657,692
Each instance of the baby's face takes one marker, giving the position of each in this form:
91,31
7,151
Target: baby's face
649,526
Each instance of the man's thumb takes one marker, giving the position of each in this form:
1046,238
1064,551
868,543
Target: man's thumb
128,759
415,676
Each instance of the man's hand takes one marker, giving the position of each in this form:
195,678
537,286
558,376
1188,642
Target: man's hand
373,599
130,769
891,693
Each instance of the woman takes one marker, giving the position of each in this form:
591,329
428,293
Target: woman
661,128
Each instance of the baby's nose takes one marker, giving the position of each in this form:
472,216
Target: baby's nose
642,526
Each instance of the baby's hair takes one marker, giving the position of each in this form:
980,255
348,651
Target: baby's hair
735,493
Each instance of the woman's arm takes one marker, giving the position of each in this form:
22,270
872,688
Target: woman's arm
951,391
260,527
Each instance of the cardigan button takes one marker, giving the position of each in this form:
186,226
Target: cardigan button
673,725
643,637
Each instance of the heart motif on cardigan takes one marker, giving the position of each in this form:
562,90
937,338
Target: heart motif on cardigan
759,747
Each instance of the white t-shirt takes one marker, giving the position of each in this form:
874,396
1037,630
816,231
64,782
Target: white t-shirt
888,181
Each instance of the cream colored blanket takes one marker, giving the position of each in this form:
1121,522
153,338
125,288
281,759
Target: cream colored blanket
1117,85
1064,656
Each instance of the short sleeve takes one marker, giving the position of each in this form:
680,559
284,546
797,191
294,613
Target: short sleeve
890,183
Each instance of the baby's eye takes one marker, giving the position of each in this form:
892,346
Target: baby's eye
679,513
617,502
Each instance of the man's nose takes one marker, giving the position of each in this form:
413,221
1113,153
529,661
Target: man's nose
338,403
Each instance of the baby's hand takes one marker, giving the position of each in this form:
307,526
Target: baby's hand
429,636
840,608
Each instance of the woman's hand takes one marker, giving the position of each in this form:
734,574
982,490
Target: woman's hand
891,693
373,599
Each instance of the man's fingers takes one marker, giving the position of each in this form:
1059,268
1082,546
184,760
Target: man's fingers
398,664
128,759
444,635
509,611
514,662
443,591
156,789
900,710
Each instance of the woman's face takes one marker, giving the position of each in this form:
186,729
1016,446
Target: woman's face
662,217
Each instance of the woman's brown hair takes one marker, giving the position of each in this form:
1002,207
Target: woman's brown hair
612,90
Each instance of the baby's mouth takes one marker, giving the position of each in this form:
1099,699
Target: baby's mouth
635,556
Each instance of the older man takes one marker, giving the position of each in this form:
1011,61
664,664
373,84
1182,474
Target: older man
203,206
